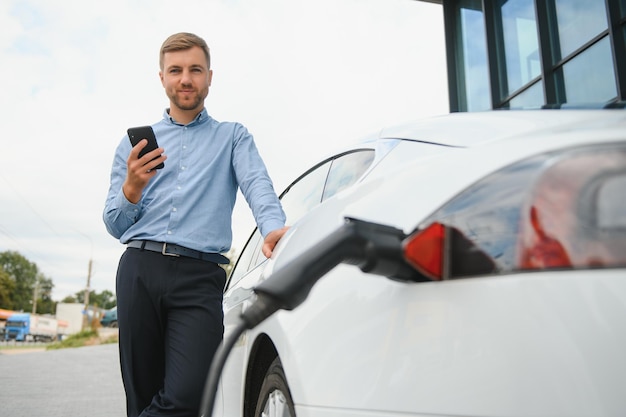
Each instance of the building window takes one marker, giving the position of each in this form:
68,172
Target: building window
584,46
512,54
531,97
475,70
521,43
589,77
578,22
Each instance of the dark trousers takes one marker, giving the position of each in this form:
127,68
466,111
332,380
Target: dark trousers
170,322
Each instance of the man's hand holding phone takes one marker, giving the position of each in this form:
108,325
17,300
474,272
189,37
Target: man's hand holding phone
145,158
137,134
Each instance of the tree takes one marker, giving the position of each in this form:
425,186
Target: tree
22,283
70,299
7,286
45,304
23,274
106,299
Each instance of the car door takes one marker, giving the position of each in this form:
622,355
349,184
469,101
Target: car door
317,184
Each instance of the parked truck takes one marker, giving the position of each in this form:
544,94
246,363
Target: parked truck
31,327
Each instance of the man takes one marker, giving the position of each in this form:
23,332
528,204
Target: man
176,221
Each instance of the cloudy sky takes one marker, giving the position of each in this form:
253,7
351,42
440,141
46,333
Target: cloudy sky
305,77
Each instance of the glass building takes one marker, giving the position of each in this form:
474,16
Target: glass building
521,54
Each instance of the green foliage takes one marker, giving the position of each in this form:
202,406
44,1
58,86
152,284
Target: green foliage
23,274
7,286
106,299
70,299
45,304
76,340
83,338
20,281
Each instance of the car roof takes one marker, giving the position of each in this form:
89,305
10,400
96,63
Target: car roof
476,128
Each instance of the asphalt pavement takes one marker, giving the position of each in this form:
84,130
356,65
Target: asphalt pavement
71,382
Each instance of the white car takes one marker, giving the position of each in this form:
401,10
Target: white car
495,251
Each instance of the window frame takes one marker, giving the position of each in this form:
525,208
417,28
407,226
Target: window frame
255,241
551,78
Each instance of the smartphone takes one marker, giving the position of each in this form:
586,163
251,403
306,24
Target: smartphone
136,134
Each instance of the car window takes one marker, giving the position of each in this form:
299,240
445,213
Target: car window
243,263
300,197
317,184
346,170
305,193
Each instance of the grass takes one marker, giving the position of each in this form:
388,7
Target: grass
84,338
88,337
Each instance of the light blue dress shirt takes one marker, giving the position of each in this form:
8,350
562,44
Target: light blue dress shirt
190,201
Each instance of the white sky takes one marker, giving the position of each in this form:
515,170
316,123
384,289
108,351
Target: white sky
305,77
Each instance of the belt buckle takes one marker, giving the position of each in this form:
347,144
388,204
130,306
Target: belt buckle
168,253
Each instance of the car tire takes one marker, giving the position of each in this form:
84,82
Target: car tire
274,398
113,324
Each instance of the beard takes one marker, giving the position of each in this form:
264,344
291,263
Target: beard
190,103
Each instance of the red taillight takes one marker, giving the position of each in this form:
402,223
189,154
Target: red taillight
424,250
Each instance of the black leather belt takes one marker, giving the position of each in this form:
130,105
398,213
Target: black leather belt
170,249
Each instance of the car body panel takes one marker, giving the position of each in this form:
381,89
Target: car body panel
532,344
466,347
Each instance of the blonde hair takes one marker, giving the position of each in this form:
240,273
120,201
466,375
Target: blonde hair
181,42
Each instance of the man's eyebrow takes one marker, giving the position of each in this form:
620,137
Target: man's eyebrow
180,67
190,66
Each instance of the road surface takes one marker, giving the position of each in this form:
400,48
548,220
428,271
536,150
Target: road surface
71,382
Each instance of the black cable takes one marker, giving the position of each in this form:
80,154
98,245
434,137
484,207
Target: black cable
374,248
213,378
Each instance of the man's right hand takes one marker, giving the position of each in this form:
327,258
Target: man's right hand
139,171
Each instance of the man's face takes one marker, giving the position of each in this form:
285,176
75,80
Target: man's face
186,78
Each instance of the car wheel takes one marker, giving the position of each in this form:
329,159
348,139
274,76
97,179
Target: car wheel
274,397
113,324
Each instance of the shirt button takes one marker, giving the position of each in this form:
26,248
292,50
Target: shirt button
174,209
169,232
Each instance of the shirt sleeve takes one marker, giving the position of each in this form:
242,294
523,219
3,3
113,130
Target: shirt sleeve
119,213
255,183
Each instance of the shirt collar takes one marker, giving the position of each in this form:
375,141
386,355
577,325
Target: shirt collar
202,117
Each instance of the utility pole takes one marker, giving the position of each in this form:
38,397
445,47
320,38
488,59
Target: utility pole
87,289
35,295
86,316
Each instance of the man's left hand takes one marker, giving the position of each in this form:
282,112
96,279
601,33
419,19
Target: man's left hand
272,239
